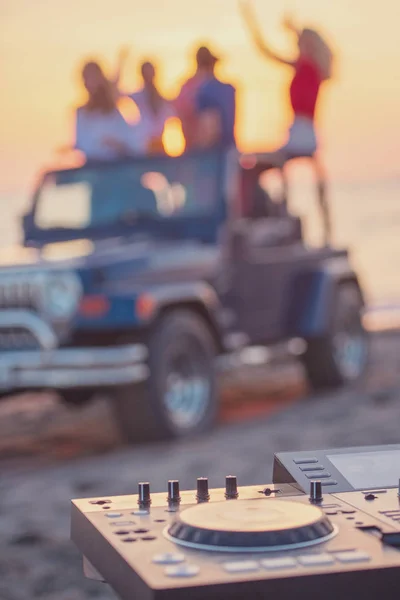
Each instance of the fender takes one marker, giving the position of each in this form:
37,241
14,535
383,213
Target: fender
313,298
136,309
200,293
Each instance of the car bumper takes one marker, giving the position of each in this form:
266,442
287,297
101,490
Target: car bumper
66,368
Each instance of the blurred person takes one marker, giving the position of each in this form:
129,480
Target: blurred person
215,106
101,131
185,103
312,67
154,109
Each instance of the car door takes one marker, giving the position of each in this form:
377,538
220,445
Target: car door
262,282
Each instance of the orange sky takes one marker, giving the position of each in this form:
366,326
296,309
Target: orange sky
42,43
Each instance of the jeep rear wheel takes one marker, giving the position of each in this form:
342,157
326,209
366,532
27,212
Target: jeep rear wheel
179,399
341,356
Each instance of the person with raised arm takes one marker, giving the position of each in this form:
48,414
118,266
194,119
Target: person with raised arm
154,109
101,132
311,68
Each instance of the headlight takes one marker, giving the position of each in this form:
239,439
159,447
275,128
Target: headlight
63,292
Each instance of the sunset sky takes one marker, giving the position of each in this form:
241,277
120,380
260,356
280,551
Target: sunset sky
43,43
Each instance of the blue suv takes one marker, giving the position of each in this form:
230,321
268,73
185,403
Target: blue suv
137,276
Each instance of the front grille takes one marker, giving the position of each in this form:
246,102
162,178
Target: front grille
16,338
19,291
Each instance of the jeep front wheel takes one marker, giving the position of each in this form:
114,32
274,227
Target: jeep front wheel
179,399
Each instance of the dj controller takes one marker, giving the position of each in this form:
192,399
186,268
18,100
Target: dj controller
327,527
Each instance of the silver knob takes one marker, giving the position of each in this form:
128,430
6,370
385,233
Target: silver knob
144,499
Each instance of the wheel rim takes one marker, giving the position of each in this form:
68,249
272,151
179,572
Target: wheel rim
187,386
351,347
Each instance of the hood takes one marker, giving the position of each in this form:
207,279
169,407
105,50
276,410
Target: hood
19,256
139,255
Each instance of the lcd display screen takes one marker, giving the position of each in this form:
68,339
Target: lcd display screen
367,470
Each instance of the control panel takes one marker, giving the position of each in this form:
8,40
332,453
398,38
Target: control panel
263,541
341,469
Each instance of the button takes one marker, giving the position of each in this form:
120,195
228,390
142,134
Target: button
318,475
330,513
305,460
329,482
316,560
351,557
346,511
243,566
113,515
122,523
370,497
141,531
168,558
279,563
390,512
182,571
141,513
316,468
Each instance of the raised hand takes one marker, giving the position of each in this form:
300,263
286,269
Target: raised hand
248,14
251,22
123,54
289,24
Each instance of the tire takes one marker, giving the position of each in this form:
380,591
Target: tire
341,356
182,377
75,398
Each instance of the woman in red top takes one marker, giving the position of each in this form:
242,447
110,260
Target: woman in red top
312,66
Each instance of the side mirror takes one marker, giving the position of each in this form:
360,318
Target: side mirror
27,226
238,240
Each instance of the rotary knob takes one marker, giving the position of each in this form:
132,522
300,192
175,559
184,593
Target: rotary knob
316,492
202,490
231,492
174,497
144,499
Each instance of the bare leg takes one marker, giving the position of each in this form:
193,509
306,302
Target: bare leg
274,160
323,200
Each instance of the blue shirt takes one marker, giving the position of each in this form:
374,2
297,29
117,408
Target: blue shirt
216,95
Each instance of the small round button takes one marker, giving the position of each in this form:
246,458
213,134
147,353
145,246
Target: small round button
182,571
113,515
141,531
168,558
370,497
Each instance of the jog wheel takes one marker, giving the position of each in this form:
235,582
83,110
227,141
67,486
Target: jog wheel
251,526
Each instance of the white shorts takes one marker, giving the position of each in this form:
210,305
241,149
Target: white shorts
302,138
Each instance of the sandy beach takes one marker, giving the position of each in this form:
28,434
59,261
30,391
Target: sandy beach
50,454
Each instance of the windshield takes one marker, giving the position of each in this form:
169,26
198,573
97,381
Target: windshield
159,189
